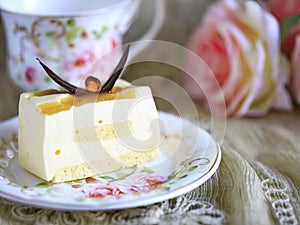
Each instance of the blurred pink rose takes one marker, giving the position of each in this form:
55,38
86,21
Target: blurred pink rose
295,80
240,44
290,45
281,9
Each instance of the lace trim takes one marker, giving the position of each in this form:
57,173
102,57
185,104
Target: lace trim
181,210
276,189
190,211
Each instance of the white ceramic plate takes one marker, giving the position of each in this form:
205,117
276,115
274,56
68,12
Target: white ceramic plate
189,157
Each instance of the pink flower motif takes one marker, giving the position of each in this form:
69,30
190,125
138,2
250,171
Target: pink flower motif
30,74
144,182
291,44
94,188
102,190
133,184
115,41
80,60
240,45
91,57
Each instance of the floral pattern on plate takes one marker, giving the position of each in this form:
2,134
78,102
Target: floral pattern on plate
181,167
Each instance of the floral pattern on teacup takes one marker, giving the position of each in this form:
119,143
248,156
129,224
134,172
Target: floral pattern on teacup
72,50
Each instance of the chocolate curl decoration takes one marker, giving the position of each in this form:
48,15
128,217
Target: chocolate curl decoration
66,85
107,86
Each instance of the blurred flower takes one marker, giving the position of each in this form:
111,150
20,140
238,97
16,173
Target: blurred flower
281,9
144,182
295,80
30,74
288,15
240,44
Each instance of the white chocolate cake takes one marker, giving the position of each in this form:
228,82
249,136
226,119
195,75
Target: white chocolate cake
63,137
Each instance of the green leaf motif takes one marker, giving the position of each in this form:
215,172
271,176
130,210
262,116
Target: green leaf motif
147,170
121,175
71,22
165,186
171,176
47,79
104,29
72,182
192,168
71,34
43,185
98,34
287,25
50,35
109,178
183,176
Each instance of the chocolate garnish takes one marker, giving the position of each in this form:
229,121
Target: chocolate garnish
64,84
107,86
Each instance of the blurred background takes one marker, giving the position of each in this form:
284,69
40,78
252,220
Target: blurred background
181,17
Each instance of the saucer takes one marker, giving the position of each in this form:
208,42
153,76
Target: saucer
189,157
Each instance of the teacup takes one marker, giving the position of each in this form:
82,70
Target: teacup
75,38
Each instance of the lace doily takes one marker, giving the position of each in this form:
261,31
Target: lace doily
182,210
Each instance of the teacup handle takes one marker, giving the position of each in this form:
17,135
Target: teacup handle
158,19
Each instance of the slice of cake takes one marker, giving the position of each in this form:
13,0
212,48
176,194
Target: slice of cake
64,137
82,132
